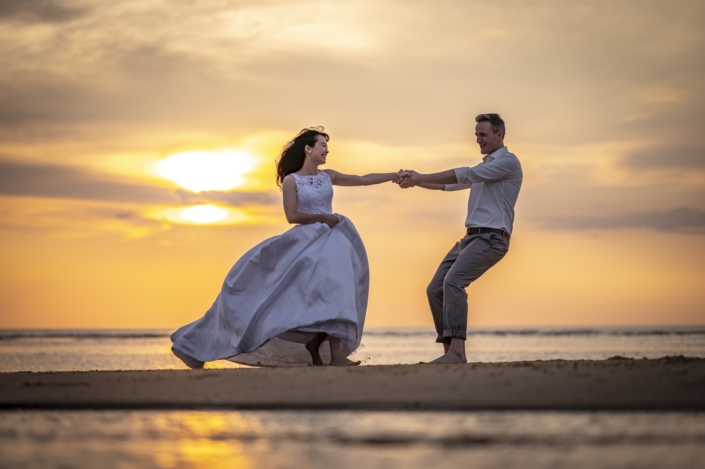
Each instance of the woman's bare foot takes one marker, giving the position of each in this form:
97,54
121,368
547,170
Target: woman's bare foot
313,347
343,362
336,354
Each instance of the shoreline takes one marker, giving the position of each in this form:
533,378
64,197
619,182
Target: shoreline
670,383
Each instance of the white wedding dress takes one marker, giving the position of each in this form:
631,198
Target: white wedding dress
312,278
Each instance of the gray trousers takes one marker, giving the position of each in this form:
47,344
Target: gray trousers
471,257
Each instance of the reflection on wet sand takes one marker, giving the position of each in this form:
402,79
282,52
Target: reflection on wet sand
293,439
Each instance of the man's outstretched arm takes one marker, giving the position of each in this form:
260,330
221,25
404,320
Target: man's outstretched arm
429,181
433,187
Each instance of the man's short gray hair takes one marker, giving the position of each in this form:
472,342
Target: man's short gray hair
495,120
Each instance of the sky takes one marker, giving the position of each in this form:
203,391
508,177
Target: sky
117,118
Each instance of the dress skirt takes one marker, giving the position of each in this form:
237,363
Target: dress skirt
310,279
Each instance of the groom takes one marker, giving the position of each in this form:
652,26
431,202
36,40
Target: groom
494,187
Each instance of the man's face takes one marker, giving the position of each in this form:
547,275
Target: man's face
488,140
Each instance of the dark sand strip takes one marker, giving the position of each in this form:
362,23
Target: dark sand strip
666,384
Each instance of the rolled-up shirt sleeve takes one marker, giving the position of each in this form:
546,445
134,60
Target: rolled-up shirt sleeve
497,170
456,187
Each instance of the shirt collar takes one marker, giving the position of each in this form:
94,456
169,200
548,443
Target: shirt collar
501,152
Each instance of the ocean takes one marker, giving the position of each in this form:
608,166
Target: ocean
349,439
83,350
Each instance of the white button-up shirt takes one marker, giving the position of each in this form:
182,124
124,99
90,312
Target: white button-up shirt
494,188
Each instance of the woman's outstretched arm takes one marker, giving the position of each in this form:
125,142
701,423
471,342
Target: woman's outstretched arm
294,216
340,179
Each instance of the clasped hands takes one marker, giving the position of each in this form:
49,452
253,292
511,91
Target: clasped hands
407,178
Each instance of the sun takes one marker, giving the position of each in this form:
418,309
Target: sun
200,171
204,214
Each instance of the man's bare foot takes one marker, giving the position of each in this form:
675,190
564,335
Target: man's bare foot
455,352
313,347
343,362
450,357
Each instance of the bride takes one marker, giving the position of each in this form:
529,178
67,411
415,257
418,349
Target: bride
299,298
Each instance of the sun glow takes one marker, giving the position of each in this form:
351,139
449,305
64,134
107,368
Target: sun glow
205,214
207,170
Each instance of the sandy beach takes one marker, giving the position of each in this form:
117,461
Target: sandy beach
675,383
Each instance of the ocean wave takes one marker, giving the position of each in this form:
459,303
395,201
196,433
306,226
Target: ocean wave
81,334
550,332
20,334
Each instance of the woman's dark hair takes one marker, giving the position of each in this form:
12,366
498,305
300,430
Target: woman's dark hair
294,152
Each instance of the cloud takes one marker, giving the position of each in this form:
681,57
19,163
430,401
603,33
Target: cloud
34,102
687,157
416,64
138,82
65,182
31,11
231,198
676,220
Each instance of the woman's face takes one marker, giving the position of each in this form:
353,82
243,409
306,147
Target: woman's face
317,154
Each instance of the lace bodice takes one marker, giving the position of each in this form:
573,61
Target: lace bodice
314,194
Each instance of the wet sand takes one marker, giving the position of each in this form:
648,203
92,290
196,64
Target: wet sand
674,383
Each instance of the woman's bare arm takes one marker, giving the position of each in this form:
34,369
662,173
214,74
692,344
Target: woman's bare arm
340,179
296,217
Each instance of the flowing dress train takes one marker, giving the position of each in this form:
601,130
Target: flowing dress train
310,279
